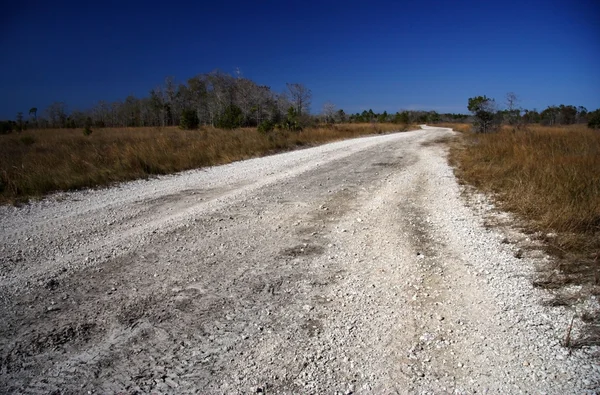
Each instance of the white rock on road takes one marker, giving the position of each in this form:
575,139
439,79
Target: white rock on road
351,267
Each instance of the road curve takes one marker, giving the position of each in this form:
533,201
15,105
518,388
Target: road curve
351,267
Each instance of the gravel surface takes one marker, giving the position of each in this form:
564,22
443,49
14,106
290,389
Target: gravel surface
353,267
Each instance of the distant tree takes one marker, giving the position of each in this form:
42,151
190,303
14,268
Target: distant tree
594,119
550,115
189,120
402,118
340,116
512,115
7,127
231,118
129,112
329,112
214,96
87,126
371,115
531,116
266,126
33,111
19,122
433,117
582,114
292,120
300,97
57,114
567,114
483,109
382,118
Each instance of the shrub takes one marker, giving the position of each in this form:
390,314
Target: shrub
189,120
292,121
266,126
27,140
594,120
231,118
6,127
87,127
484,112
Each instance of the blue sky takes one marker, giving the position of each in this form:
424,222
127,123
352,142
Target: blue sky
384,55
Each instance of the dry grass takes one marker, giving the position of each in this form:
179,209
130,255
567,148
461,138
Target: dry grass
549,176
458,127
37,162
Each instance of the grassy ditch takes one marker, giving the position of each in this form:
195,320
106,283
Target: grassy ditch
550,177
37,162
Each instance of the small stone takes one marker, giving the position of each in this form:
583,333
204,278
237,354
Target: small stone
171,383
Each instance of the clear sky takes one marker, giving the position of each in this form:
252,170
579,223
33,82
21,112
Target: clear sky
384,55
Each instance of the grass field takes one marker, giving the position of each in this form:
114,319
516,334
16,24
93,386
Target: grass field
549,176
37,162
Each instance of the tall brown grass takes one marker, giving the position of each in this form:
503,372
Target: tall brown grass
36,162
458,127
550,176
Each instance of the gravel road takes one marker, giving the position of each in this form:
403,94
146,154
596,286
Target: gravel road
353,267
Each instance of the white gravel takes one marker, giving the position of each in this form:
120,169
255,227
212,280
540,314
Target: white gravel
354,267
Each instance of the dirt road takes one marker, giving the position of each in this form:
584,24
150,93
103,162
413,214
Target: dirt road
352,267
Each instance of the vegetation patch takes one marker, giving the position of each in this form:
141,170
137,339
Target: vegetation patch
37,162
549,176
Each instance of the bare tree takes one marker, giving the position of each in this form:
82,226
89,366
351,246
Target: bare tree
198,96
171,109
20,125
57,114
300,96
513,112
220,88
213,96
329,112
244,92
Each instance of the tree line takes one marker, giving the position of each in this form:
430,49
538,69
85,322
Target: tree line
231,101
218,99
487,117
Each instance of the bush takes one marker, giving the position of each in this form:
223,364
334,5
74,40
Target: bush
292,121
266,126
87,126
6,127
484,112
594,120
231,118
189,120
27,140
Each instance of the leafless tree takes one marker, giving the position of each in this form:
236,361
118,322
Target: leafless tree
210,95
513,112
57,114
329,112
300,96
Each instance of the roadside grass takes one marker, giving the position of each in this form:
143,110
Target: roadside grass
550,177
458,127
37,162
